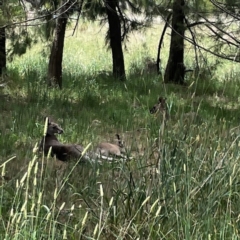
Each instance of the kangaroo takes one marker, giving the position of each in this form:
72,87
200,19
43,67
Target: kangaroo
160,106
63,152
107,149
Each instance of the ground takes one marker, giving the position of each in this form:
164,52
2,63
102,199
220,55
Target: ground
182,182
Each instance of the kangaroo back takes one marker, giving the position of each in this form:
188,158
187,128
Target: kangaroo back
110,149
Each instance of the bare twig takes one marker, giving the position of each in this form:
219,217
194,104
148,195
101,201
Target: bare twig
160,43
41,17
221,31
223,56
223,8
194,40
79,13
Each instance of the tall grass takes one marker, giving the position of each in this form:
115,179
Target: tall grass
183,181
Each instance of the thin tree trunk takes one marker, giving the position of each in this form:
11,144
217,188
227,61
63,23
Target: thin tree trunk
56,56
175,69
160,44
3,55
115,39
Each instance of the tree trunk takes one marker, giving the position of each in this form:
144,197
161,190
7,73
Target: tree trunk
175,69
115,39
3,55
56,56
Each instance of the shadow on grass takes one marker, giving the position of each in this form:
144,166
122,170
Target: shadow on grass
118,106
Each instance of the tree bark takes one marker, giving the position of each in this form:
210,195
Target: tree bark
3,55
175,69
115,39
56,56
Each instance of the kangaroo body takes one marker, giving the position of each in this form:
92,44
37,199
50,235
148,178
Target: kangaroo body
108,149
161,107
65,152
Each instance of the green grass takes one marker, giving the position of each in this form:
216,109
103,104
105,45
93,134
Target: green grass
192,194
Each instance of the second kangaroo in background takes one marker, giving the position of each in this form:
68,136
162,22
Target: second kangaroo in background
185,118
161,106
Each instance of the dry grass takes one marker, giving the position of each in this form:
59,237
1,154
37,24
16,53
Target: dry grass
170,190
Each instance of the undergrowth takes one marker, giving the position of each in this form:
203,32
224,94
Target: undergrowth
183,180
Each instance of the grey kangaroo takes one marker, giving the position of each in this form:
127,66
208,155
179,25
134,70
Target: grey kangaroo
161,107
63,152
107,149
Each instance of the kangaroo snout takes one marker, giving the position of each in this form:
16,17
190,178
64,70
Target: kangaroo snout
54,128
153,110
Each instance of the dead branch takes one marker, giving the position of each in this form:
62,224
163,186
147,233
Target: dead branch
78,17
161,41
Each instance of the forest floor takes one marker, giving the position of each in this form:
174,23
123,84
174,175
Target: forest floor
183,180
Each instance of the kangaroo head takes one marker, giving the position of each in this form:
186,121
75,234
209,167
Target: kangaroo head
160,106
120,144
53,128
